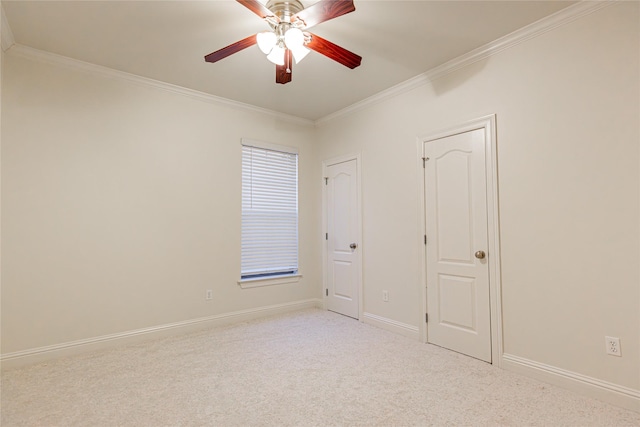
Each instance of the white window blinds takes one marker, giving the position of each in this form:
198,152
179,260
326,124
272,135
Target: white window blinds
269,212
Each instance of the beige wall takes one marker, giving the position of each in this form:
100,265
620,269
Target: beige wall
121,206
567,107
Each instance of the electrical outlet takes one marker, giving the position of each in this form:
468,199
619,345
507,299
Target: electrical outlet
613,346
385,296
209,294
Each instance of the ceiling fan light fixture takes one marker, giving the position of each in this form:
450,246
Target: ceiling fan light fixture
266,41
277,55
299,53
288,40
294,38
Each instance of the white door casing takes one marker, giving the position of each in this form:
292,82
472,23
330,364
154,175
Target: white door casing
462,252
342,249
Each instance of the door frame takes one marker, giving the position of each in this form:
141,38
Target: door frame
488,124
325,164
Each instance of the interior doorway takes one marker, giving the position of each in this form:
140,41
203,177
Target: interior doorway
342,225
461,245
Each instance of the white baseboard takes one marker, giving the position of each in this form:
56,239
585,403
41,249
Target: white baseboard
42,354
392,325
602,390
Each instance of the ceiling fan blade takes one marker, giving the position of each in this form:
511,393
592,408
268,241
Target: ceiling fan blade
333,51
323,11
258,8
283,72
231,49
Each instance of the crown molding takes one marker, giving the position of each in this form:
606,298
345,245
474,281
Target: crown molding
6,35
55,59
558,19
551,22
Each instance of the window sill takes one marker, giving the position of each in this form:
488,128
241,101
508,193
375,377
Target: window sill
268,281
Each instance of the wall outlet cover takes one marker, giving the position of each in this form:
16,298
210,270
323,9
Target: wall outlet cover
613,346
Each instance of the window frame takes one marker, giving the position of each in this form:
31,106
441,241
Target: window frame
258,281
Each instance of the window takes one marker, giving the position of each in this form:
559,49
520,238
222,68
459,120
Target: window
269,211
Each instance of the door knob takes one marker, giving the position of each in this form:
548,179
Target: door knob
480,254
353,246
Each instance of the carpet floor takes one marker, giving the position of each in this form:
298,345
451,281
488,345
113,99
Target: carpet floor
308,368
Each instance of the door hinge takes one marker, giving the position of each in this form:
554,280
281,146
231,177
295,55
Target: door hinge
327,292
424,161
425,239
426,317
326,236
326,180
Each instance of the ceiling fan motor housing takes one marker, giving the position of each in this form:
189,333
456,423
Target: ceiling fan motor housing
284,9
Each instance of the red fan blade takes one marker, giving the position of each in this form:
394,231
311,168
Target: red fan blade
283,72
258,8
231,49
323,11
333,51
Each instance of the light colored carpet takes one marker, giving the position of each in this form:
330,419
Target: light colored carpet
300,369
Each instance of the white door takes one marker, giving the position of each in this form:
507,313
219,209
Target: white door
458,304
343,222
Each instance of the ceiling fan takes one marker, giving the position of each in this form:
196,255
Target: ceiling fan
288,39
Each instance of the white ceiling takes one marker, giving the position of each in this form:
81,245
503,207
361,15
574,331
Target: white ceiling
167,41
